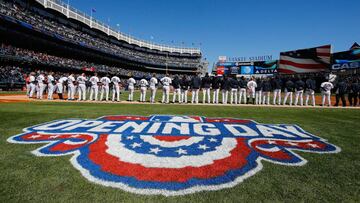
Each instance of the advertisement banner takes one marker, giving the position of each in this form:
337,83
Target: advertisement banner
346,60
266,67
247,70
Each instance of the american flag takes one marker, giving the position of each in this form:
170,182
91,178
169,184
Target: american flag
315,59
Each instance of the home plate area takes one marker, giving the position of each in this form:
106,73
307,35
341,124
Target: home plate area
171,155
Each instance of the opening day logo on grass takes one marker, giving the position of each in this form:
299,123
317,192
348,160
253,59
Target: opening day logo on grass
171,155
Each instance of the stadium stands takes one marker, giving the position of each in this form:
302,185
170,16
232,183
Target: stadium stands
34,18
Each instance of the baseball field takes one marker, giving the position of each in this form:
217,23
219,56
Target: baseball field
332,177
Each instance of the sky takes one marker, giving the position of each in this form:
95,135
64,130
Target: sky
234,28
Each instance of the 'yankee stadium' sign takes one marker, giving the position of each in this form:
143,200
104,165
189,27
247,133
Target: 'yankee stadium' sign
171,155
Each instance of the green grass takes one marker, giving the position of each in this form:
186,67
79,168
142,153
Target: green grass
325,178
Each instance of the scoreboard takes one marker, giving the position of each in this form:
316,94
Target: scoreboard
247,68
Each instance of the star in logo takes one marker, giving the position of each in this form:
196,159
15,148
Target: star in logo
155,150
181,151
203,146
212,140
135,144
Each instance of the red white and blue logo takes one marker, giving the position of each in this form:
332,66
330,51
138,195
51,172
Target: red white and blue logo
171,155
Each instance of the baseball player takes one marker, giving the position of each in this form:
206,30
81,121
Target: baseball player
326,92
60,86
94,89
71,87
27,83
184,83
51,85
105,81
354,92
234,84
251,86
225,87
205,85
341,88
310,85
166,81
153,87
177,89
266,89
242,90
41,86
289,89
115,80
277,85
131,86
32,84
215,84
299,86
195,86
81,80
143,88
258,91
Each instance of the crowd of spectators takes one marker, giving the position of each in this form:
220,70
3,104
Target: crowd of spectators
43,23
29,56
11,74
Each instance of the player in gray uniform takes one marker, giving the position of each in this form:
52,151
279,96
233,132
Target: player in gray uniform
195,85
277,84
115,80
299,86
51,85
177,89
184,83
205,85
225,87
242,90
234,84
310,85
81,80
153,87
289,90
258,91
266,89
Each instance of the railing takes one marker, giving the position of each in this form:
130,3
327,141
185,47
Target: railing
71,12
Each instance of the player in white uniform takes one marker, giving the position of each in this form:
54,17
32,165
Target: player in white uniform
94,89
153,88
51,85
116,88
251,85
71,87
41,86
81,80
60,86
143,88
32,84
326,92
105,81
166,81
131,86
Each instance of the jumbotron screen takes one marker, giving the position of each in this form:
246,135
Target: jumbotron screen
247,68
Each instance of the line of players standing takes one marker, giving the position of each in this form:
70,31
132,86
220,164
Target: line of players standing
255,90
73,84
